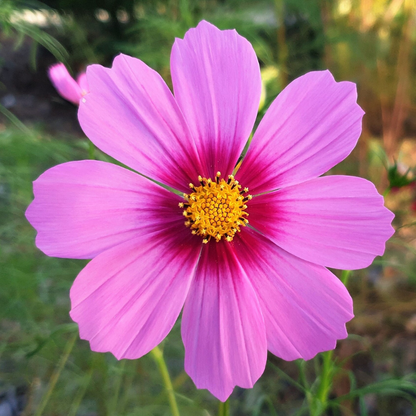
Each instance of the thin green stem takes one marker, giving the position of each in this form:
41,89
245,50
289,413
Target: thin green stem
91,150
161,364
56,374
304,382
345,275
224,408
326,378
319,405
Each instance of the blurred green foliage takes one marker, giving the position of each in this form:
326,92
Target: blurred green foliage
10,25
370,42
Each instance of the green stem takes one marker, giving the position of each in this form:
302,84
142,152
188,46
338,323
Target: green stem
325,384
327,371
224,408
161,364
91,150
304,382
57,372
345,275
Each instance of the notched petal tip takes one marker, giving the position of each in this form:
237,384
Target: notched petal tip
205,24
97,346
33,215
331,345
327,76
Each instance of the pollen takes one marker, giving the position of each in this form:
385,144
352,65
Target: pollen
215,209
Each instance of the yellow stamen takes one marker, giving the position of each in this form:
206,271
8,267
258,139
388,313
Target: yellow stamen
215,209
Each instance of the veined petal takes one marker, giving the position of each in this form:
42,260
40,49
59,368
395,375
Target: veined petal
127,299
312,125
217,83
86,207
131,115
305,307
222,325
334,221
64,83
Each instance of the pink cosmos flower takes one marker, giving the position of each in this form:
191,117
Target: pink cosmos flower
249,272
67,87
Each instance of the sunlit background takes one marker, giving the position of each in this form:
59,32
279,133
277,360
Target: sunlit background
44,368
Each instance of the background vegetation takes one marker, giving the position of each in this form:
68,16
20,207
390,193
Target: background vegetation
44,368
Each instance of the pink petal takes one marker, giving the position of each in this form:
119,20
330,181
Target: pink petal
311,126
216,80
334,221
127,299
305,307
222,325
86,207
83,83
131,115
64,83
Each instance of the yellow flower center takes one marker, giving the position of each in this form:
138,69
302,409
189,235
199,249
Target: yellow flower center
216,208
